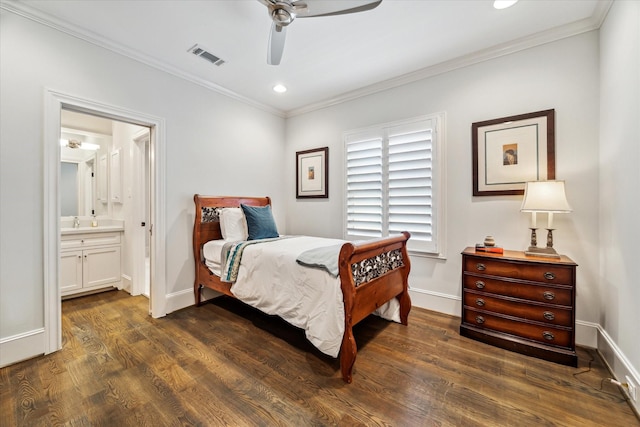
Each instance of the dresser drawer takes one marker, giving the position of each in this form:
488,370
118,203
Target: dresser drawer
537,272
531,292
545,334
539,313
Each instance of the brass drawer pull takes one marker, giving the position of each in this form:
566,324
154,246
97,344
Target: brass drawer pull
479,319
548,336
481,267
548,295
479,302
480,284
548,315
549,275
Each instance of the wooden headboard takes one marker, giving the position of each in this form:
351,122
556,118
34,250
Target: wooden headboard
206,225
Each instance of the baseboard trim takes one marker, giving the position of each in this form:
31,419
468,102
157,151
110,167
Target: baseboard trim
587,334
21,347
125,283
436,301
179,300
618,364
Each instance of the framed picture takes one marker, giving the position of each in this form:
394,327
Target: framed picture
510,151
312,173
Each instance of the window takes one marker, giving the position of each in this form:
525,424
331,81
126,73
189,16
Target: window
393,182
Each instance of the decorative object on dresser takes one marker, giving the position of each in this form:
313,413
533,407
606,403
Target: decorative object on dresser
489,245
548,197
520,303
509,151
493,249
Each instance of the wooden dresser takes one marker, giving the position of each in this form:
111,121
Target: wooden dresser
521,303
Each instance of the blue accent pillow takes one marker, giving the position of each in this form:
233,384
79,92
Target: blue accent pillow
260,222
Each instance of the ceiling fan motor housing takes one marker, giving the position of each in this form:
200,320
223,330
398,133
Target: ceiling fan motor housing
281,14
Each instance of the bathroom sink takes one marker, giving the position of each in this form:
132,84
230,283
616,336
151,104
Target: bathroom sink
104,226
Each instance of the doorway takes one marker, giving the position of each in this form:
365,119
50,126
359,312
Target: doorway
55,103
124,197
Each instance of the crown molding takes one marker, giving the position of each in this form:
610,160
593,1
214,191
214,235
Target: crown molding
558,33
98,40
585,25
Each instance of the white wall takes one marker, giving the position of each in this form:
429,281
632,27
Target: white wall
562,75
619,290
214,145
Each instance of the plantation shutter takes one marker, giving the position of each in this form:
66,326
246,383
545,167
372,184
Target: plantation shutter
364,187
390,182
410,182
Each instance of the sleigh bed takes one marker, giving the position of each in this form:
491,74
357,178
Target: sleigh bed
370,276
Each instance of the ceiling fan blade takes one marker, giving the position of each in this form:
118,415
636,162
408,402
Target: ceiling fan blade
276,44
330,8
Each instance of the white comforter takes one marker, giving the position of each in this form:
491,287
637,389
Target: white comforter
271,280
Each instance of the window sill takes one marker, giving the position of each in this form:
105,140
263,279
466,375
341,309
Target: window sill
422,254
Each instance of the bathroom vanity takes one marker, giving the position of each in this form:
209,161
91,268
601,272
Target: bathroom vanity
90,257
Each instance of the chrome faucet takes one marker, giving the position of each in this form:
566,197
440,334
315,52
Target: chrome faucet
76,222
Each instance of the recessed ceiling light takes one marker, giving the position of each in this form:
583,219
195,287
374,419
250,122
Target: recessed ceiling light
503,4
280,88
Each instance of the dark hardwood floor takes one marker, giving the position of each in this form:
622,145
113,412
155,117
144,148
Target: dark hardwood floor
226,364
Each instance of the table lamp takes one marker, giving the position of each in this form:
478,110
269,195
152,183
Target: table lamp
548,197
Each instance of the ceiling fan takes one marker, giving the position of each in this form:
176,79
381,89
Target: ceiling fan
283,12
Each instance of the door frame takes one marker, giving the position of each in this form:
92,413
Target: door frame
54,102
139,160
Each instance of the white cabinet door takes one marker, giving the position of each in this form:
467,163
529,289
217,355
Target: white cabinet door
101,266
70,271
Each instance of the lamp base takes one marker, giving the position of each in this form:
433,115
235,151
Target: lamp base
545,252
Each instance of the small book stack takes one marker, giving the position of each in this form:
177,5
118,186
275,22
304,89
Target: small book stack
492,249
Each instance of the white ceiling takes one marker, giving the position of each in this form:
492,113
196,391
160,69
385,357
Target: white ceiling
326,59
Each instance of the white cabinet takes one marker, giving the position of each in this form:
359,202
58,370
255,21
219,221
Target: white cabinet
89,262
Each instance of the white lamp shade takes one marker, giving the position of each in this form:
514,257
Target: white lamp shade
545,196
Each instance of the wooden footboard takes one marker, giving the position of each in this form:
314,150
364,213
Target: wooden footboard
371,273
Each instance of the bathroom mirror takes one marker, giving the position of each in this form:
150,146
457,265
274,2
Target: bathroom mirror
84,174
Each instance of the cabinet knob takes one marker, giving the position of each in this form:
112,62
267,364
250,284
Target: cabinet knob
479,302
548,336
481,267
548,315
548,295
480,284
479,320
549,275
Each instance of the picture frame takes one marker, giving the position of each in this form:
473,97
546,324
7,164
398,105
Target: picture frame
510,151
312,173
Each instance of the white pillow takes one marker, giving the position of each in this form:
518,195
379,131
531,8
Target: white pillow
233,225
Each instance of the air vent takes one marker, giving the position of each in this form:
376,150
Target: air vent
204,54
